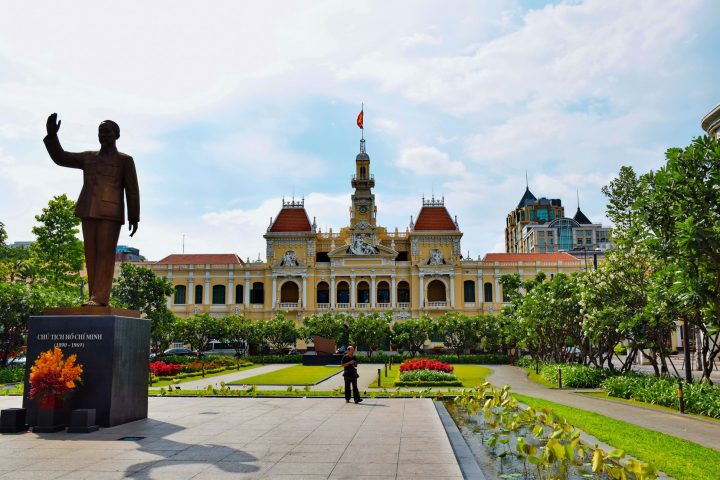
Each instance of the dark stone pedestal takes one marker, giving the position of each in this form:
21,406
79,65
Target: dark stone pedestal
113,351
82,420
12,420
317,360
49,421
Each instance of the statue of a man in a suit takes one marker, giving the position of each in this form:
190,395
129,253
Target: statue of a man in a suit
107,175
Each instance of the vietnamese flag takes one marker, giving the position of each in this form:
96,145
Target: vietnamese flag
360,120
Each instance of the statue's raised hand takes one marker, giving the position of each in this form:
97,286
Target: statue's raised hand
53,124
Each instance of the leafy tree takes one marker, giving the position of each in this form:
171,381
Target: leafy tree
459,332
280,332
412,333
138,288
326,325
239,332
197,331
371,331
57,250
162,327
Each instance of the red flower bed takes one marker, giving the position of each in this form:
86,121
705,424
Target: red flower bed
162,369
425,364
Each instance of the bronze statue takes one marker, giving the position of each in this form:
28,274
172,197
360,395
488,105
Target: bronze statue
107,174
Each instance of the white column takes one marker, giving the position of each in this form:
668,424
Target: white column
170,297
246,289
452,289
352,291
191,291
231,289
274,290
207,288
393,291
304,295
332,291
373,292
498,299
480,288
422,291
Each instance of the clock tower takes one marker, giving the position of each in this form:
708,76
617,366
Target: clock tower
363,210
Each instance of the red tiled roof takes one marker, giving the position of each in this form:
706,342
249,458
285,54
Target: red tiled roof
291,220
434,218
201,258
529,257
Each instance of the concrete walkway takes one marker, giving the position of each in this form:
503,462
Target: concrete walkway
703,432
239,438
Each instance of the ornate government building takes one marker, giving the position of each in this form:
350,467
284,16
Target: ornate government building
362,268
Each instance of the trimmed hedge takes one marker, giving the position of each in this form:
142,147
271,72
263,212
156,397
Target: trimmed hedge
12,374
295,358
487,358
575,375
699,398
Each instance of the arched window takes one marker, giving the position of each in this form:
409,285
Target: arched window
488,292
469,291
239,294
362,172
218,295
257,293
363,292
383,292
180,294
198,294
323,292
343,292
289,292
403,292
436,291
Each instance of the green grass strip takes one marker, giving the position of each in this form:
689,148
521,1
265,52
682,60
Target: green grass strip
164,381
678,458
296,375
652,406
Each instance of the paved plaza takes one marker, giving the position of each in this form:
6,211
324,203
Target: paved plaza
216,438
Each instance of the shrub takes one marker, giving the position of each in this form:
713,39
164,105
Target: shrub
12,374
575,376
162,369
427,376
526,361
425,364
295,358
620,349
486,358
699,398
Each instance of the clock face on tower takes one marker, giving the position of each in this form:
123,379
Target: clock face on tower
363,209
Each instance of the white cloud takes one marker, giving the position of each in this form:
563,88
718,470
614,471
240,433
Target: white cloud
427,160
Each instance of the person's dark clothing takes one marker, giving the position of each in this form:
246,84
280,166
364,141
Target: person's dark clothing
351,376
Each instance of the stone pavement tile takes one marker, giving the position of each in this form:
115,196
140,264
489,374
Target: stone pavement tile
11,461
317,448
427,457
31,475
235,470
429,470
167,468
310,457
382,444
93,475
116,466
261,453
203,453
368,456
369,469
429,477
293,468
275,476
361,477
58,465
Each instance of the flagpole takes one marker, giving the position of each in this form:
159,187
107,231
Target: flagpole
362,129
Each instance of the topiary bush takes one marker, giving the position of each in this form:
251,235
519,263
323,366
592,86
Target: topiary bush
427,376
575,376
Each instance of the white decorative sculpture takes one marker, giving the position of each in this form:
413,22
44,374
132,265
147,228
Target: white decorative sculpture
361,247
436,257
289,259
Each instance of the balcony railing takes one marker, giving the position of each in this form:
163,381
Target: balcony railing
288,305
403,304
342,306
323,306
362,306
382,306
437,304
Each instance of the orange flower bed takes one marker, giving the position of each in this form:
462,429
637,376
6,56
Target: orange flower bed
52,377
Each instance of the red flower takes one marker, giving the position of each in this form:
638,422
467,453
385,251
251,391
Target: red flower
425,364
162,369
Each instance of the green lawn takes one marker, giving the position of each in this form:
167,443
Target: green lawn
637,403
295,375
164,381
469,375
538,378
678,458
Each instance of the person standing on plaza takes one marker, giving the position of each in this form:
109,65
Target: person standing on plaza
349,364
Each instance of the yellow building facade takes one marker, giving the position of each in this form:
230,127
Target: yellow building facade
362,268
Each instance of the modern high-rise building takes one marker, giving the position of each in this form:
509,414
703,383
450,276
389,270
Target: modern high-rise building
529,211
711,123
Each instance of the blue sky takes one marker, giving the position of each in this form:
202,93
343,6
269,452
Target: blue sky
227,108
